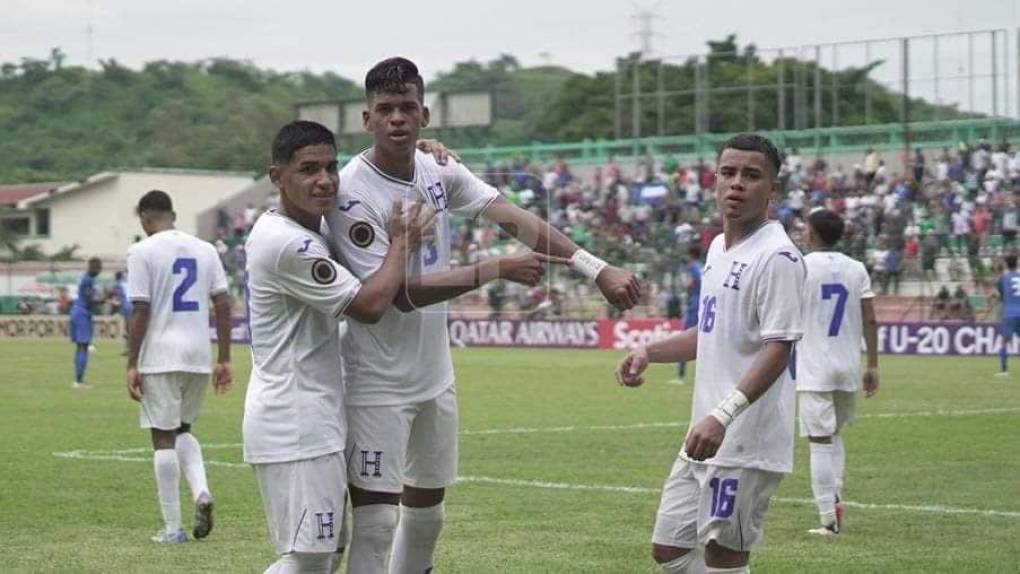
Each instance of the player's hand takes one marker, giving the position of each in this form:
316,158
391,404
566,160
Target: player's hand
704,439
407,231
223,377
620,288
438,151
628,372
527,268
134,383
870,380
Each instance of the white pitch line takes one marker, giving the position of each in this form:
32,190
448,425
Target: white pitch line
935,509
682,423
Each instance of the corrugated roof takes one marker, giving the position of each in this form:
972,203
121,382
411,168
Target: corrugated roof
10,195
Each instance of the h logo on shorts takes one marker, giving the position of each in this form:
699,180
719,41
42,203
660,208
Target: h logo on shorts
376,463
735,271
325,524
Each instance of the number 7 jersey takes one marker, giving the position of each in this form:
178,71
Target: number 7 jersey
829,356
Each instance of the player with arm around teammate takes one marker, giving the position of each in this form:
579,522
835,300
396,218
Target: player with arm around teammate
171,278
838,310
294,427
740,443
402,404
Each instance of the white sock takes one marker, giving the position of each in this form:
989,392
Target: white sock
168,484
416,538
302,563
738,570
691,563
372,538
838,462
823,481
189,452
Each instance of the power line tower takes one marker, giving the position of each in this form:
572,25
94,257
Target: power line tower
645,18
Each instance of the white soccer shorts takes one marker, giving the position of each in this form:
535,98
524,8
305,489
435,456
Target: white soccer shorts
702,502
413,444
304,503
169,399
823,413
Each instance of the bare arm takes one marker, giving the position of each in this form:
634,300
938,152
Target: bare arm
139,325
223,375
381,289
619,287
871,342
680,347
424,290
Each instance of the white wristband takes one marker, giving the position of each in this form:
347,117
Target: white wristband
587,264
729,408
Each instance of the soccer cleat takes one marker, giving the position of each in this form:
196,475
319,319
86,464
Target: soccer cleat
80,386
678,381
165,537
825,530
203,518
1002,374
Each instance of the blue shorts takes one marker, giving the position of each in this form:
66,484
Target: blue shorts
80,328
691,318
1010,326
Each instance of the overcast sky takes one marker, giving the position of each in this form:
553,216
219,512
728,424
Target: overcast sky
348,37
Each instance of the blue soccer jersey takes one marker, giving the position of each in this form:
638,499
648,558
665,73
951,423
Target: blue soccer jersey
1009,292
86,291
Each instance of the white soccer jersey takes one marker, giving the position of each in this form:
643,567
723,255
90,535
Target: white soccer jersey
176,274
405,357
750,294
829,356
293,409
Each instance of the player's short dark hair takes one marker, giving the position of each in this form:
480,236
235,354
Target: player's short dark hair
391,76
827,225
155,201
299,134
754,142
1010,261
694,251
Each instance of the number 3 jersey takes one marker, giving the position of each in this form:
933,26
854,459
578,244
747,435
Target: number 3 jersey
176,274
751,294
829,357
405,357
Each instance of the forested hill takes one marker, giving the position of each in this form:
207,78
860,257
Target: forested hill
63,122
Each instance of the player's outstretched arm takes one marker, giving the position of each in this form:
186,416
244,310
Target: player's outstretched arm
707,434
223,375
680,347
619,287
139,325
870,381
429,289
380,290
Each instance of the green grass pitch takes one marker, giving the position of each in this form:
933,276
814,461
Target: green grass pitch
561,470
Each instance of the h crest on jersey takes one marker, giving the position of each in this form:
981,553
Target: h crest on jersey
733,279
375,462
325,520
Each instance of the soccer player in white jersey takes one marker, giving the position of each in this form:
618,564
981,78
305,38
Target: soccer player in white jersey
740,443
837,311
171,278
402,403
294,428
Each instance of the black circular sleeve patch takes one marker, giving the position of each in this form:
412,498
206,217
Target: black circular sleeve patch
323,271
362,234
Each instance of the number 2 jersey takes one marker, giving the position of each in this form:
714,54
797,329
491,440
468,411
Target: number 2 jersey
405,357
176,274
829,356
751,294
